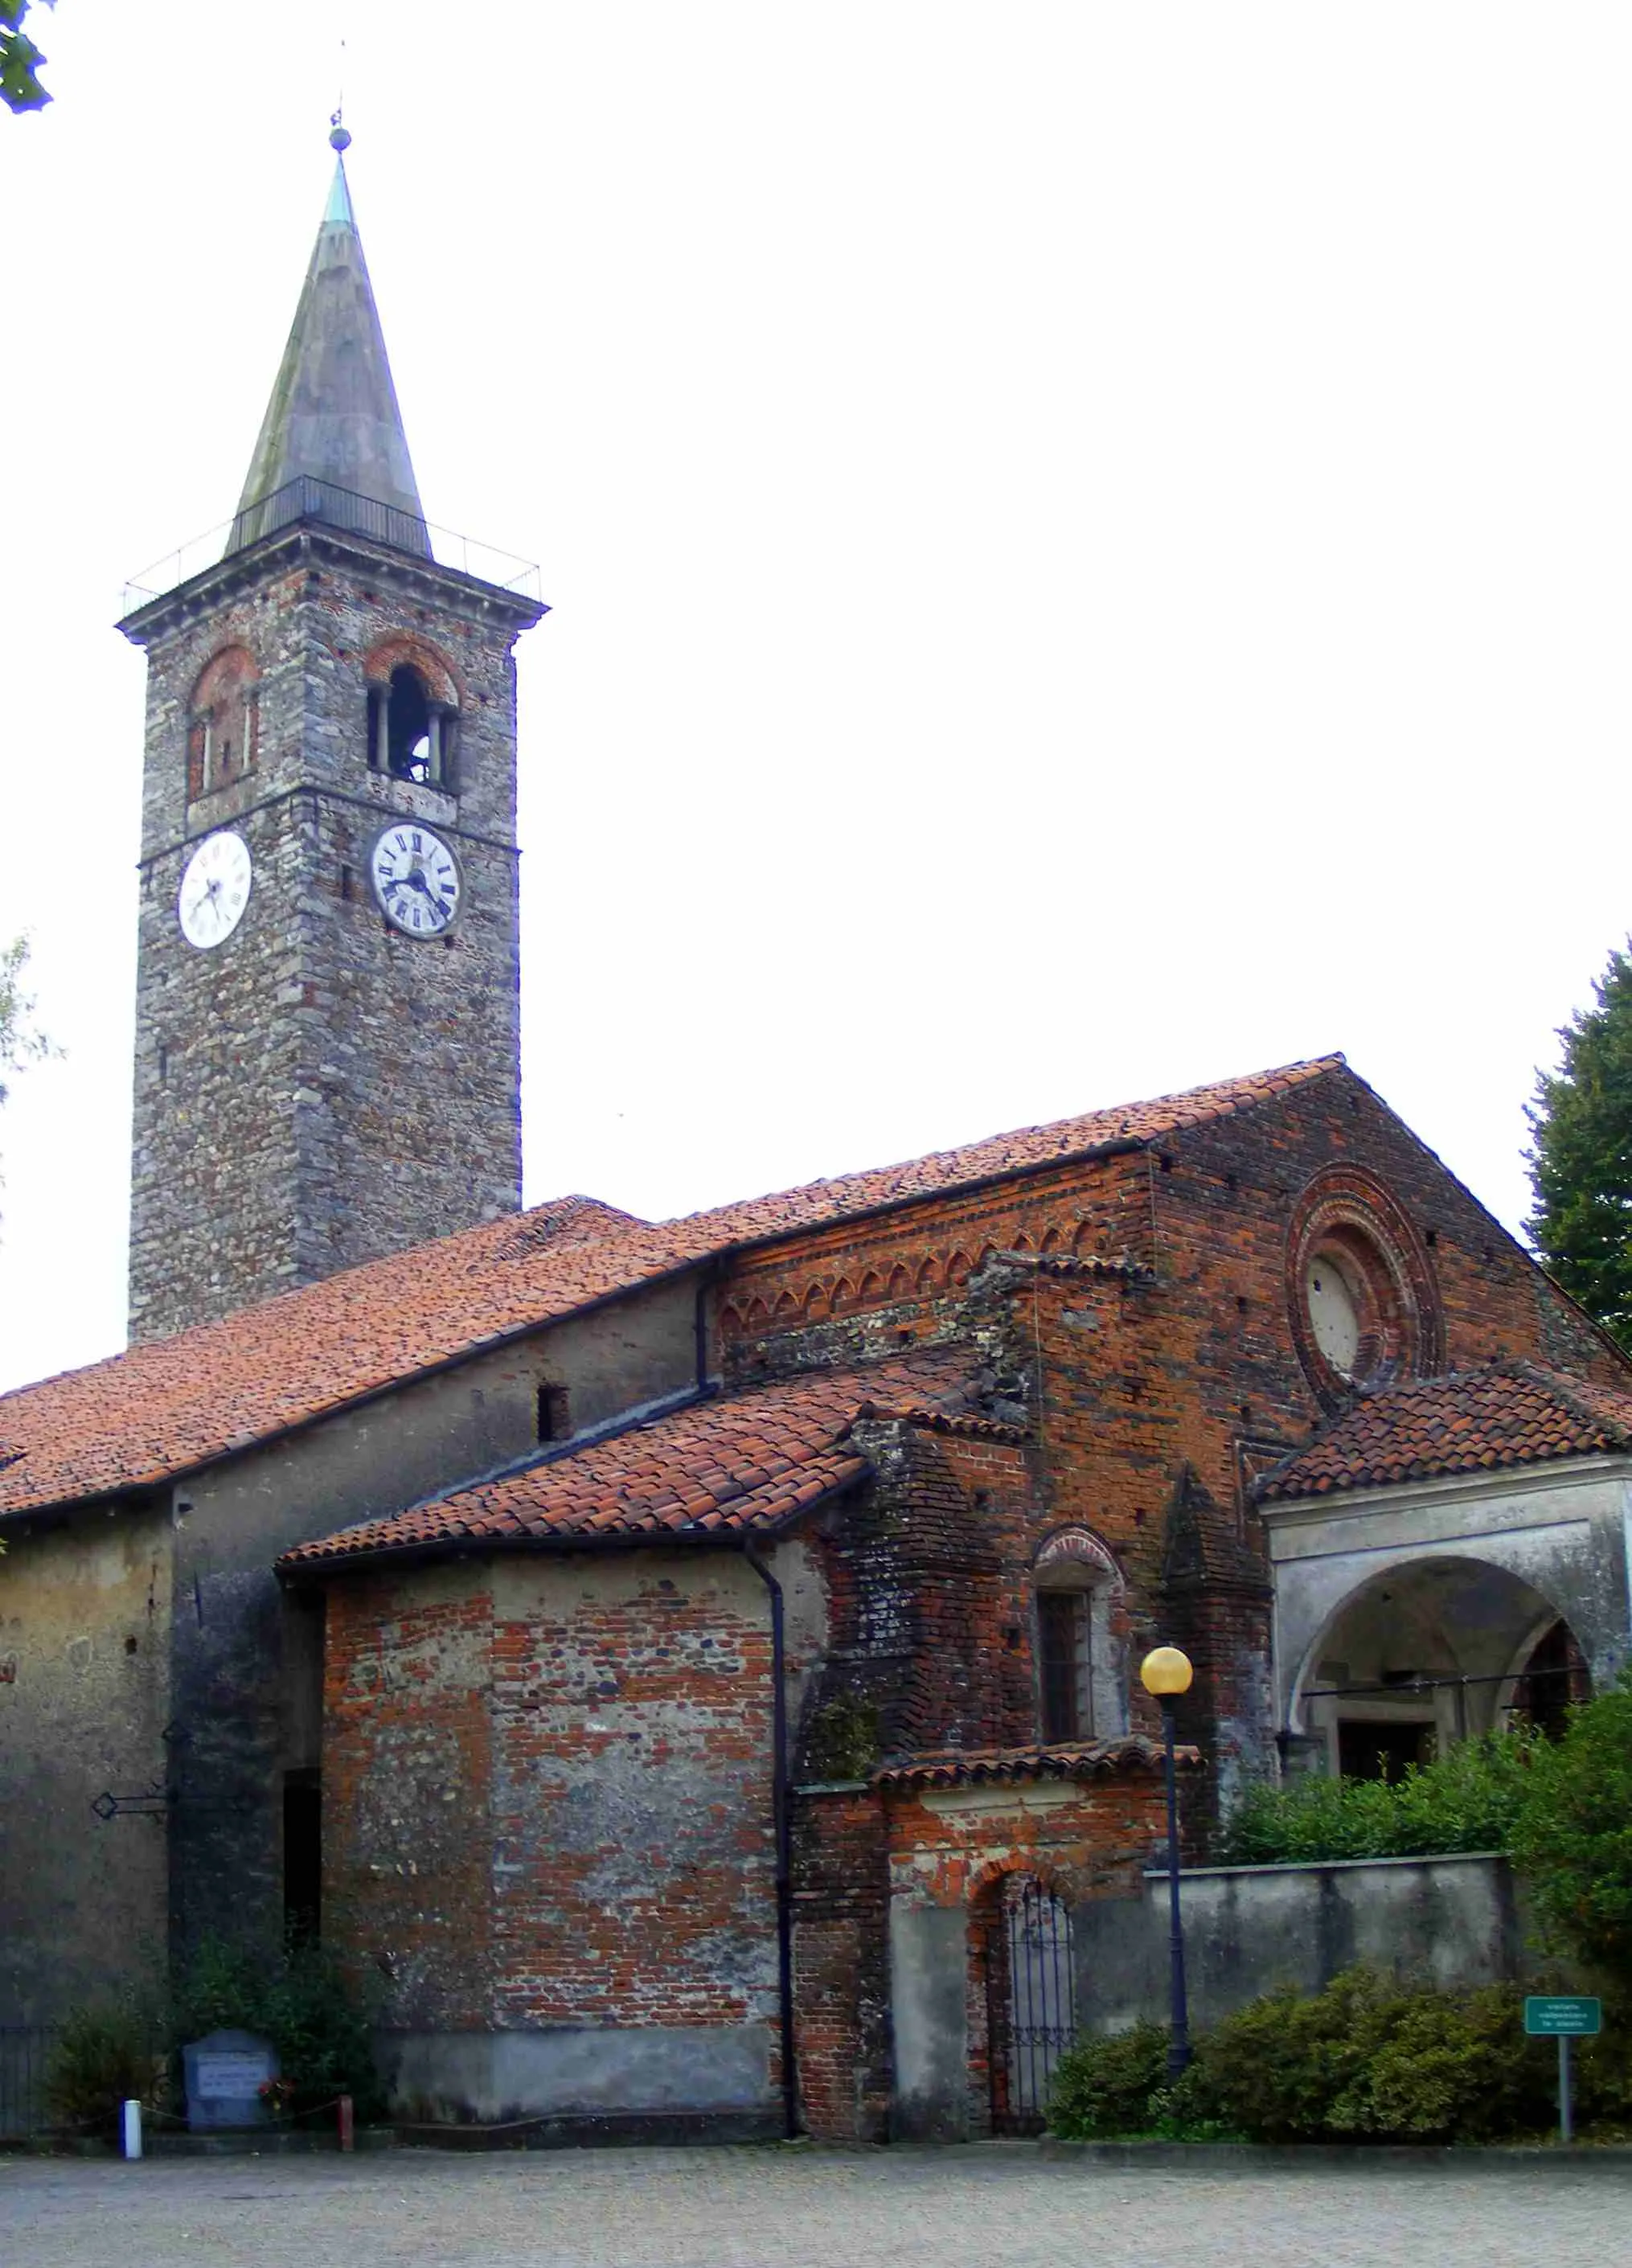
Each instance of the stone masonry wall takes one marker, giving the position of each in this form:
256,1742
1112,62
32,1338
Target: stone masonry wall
318,1089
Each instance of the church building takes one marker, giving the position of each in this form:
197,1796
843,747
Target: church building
686,1669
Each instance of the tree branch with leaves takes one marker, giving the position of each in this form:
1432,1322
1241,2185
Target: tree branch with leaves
21,1041
19,59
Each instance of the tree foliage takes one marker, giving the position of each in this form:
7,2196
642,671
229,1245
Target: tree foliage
1572,1842
1580,1156
19,60
20,1041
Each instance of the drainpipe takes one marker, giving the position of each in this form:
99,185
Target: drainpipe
782,1821
700,1328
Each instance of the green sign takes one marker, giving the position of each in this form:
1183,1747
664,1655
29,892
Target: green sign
1571,2016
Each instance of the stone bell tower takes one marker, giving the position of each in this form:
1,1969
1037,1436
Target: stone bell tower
328,1055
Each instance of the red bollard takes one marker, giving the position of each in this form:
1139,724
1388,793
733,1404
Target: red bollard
347,2141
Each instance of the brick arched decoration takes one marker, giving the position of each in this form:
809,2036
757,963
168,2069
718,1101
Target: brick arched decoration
1077,1548
406,651
224,721
986,1882
1348,1214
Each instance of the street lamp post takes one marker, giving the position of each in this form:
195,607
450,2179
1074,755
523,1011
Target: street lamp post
1166,1673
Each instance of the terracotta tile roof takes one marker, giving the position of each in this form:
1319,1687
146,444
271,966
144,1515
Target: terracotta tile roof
1128,1124
1062,1760
163,1409
1506,1413
739,1465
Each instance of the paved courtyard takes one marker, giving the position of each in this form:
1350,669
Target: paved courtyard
799,2208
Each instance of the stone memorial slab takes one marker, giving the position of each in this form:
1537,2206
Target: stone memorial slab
223,2075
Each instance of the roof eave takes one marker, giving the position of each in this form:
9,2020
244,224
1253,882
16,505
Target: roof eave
561,1546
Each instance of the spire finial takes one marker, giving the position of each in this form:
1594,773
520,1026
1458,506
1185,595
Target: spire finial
339,140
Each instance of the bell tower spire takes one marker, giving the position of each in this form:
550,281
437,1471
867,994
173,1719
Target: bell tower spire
333,422
327,1056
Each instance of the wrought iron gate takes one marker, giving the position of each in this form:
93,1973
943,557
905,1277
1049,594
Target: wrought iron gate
1031,1998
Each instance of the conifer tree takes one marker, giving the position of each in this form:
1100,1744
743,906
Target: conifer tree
1580,1156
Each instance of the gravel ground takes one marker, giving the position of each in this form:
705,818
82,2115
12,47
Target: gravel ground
796,2208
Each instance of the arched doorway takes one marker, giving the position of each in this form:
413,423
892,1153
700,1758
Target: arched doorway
1428,1653
1027,1993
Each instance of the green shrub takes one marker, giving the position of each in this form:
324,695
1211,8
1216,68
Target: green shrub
1470,1798
1105,2085
302,2002
104,2056
1369,2059
1573,1840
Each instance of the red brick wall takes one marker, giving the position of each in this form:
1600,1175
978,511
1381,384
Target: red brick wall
841,1964
548,1791
408,1756
1158,1399
632,1807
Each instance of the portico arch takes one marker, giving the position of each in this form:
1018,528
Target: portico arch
1428,1650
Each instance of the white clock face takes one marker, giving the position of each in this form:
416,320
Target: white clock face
416,880
215,889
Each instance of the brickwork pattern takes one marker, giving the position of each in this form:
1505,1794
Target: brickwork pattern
547,1793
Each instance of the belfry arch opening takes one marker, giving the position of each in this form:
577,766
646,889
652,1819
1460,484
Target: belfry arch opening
411,735
1427,1654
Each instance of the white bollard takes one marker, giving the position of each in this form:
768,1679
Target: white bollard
130,2127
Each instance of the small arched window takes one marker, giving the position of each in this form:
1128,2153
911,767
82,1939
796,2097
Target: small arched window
410,734
1079,1678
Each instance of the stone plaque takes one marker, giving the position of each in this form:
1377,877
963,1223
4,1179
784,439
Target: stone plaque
224,2074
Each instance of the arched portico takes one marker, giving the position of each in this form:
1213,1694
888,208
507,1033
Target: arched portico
1438,1592
1429,1650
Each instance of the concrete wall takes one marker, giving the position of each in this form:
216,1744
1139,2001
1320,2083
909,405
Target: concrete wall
1252,1929
84,1686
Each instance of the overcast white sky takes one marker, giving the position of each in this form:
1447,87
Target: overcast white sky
1089,546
